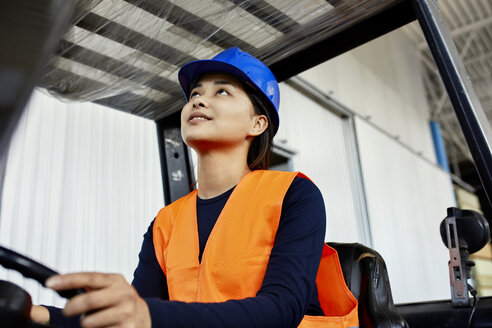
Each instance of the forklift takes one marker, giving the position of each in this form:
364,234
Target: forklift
31,32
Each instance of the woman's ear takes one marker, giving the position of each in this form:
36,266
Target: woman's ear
260,124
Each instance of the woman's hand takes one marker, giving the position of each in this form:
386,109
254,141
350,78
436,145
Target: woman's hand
40,314
109,300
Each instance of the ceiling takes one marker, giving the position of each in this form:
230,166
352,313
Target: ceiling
126,53
470,25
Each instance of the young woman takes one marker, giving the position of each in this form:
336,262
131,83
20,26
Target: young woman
241,251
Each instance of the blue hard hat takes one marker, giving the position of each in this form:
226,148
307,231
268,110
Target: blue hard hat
242,65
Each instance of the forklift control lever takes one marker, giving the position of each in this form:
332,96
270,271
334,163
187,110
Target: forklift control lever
464,232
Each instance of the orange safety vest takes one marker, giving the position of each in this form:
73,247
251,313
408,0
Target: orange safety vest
238,249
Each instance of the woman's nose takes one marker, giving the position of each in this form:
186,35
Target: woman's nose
198,102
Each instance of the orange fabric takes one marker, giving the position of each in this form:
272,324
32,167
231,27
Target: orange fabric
338,303
238,249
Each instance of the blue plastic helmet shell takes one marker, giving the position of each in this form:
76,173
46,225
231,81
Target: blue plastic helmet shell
242,65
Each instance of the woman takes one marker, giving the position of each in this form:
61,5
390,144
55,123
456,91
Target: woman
244,249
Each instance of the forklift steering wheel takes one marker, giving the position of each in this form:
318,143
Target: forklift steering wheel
31,269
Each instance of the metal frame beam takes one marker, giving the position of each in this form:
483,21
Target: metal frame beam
436,111
473,27
478,59
187,21
269,14
124,35
124,101
469,112
96,60
364,31
450,116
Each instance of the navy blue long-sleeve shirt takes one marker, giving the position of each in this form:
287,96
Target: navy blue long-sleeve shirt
288,290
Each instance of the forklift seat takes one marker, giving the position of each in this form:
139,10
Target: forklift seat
366,276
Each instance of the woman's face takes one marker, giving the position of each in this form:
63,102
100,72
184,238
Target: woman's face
219,114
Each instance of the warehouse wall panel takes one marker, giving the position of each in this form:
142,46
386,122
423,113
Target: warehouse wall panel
381,81
325,154
407,198
82,185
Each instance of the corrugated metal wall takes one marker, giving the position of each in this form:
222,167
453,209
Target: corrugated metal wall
381,81
83,183
407,197
406,194
325,153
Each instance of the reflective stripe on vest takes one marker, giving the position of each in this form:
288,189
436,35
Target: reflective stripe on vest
238,249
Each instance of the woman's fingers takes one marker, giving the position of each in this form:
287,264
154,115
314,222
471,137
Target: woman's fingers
104,290
109,301
95,300
90,280
123,309
104,318
113,316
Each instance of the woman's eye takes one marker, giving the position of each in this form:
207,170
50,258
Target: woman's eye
222,92
194,94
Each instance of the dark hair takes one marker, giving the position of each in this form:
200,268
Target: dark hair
260,150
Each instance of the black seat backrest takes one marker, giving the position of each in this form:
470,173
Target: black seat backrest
366,276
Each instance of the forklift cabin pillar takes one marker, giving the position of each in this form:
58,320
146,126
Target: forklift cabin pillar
177,173
468,109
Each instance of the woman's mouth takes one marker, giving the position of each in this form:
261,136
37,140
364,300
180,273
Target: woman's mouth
195,117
